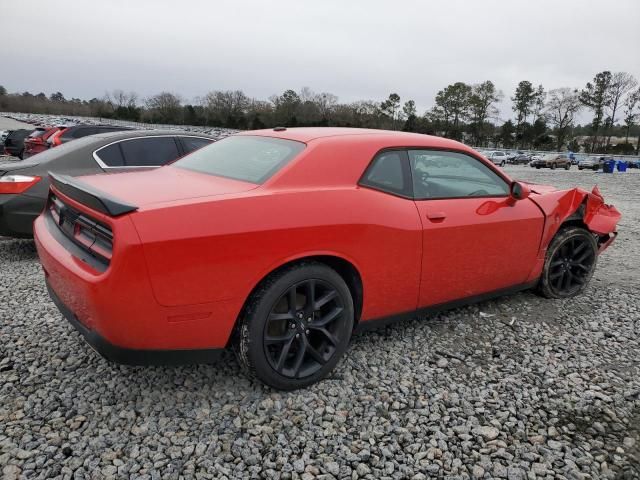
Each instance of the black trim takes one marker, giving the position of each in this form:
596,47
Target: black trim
90,196
128,356
367,325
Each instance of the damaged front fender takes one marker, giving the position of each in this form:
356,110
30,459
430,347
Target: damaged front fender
560,206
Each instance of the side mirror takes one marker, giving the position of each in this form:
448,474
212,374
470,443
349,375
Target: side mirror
519,191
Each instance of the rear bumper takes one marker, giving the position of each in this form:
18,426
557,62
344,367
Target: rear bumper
116,310
17,213
128,356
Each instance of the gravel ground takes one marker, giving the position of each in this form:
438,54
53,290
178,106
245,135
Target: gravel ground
519,387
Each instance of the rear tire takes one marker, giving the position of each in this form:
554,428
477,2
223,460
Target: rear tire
553,166
569,263
296,326
567,166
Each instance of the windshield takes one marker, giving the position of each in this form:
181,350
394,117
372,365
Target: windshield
243,157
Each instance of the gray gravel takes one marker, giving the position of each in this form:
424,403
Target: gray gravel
539,389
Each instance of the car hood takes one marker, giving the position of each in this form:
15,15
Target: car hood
165,184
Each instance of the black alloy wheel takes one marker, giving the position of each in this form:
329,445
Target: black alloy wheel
570,263
303,329
296,326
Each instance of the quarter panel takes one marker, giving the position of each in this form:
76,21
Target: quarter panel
217,250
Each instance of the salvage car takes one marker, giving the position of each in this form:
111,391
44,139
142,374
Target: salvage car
24,185
14,142
552,161
38,140
281,243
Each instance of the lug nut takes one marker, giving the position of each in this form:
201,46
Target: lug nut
297,335
307,332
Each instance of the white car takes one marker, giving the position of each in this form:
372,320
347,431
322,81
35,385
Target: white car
497,157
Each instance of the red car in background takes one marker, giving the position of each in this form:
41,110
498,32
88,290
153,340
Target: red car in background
37,141
281,242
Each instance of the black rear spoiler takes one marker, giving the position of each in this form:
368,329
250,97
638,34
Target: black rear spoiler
90,196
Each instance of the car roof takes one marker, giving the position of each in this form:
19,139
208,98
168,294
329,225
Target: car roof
124,134
309,134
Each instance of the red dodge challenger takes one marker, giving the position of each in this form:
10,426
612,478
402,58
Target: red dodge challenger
282,242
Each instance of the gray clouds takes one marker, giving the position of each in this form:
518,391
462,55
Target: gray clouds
356,50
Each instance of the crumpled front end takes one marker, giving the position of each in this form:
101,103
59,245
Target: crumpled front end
576,204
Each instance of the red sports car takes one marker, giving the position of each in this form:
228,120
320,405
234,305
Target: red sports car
282,242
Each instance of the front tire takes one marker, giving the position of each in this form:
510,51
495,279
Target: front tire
296,326
569,263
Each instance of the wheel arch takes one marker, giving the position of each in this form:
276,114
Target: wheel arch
345,267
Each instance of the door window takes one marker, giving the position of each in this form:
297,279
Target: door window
438,174
149,152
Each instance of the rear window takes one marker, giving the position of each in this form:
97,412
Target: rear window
247,158
149,152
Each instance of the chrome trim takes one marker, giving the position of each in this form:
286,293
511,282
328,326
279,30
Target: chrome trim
104,166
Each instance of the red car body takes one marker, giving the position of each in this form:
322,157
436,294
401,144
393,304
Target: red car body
188,248
38,140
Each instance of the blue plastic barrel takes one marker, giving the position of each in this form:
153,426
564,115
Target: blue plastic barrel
622,166
608,166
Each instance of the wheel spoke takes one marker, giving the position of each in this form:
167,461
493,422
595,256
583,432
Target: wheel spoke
324,299
273,339
580,266
330,336
292,299
310,293
316,355
555,275
278,317
329,317
284,354
584,256
566,280
556,263
299,356
579,248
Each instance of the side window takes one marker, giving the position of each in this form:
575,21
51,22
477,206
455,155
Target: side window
439,174
387,172
192,144
149,152
111,156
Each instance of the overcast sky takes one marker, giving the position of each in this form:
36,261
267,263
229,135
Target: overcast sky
354,49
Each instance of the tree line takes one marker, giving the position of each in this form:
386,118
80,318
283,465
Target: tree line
543,119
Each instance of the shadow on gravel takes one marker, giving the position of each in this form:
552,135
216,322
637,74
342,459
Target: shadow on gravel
12,249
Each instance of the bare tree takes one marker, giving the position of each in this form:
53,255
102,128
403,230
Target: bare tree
630,113
227,107
621,84
560,111
165,107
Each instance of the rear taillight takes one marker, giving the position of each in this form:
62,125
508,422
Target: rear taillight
17,183
87,233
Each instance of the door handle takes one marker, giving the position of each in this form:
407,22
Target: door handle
436,216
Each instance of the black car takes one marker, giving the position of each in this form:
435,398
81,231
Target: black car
24,185
14,143
520,159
